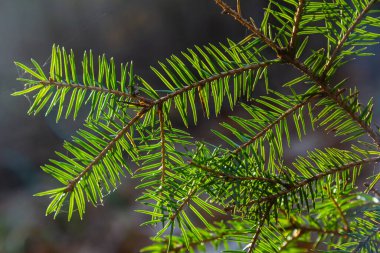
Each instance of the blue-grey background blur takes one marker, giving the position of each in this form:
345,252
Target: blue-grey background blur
143,30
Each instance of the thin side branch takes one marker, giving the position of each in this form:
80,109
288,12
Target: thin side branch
252,27
142,100
297,20
162,137
274,123
341,42
184,203
214,78
232,177
310,180
346,226
259,228
336,98
71,185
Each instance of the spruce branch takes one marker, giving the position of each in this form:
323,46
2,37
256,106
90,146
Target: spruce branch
287,113
216,77
251,26
320,80
345,37
71,185
141,101
307,181
237,178
334,95
256,236
250,178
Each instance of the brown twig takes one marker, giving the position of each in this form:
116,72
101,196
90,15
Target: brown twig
259,228
184,203
252,27
346,226
297,20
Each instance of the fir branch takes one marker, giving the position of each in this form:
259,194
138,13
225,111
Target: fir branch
317,177
142,101
297,20
259,228
71,185
335,97
185,202
287,58
288,112
307,181
210,79
238,178
252,27
341,42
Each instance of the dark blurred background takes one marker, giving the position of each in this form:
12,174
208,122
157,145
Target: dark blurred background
143,30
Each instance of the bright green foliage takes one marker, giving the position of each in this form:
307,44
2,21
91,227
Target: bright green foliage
244,195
